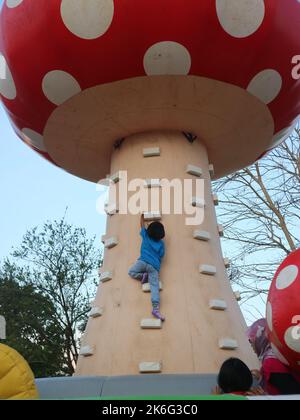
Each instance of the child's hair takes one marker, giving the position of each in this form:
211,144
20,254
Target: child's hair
156,231
235,376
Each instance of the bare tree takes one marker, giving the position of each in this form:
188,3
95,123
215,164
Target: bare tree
260,210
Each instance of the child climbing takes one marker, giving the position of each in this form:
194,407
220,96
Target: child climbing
147,267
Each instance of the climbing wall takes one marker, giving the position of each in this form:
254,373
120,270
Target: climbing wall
204,325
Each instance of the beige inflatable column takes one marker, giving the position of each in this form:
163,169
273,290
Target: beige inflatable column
204,325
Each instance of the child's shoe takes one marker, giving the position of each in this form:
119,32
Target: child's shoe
156,313
145,278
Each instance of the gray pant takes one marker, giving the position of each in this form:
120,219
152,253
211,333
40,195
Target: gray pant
137,271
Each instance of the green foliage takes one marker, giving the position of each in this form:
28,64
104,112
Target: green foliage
31,325
60,265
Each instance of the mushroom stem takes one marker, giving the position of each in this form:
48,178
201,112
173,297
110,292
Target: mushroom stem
193,274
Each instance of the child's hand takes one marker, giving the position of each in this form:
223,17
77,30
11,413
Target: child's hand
256,392
257,375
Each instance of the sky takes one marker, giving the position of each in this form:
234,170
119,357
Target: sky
33,191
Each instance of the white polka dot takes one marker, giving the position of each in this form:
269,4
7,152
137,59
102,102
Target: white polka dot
167,58
292,338
7,84
266,85
270,316
87,19
13,3
34,139
240,18
59,86
279,355
287,277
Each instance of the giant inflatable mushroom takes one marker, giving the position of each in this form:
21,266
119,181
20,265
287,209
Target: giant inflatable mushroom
101,86
283,311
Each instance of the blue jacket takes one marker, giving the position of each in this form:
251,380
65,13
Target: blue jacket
152,252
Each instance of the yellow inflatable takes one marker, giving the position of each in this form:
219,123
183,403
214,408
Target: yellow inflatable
16,377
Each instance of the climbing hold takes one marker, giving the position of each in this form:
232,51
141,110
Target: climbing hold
228,344
221,230
96,312
115,178
194,170
152,216
227,263
146,287
87,351
218,305
151,324
151,152
238,296
215,199
211,170
2,328
111,209
150,367
111,242
202,235
198,202
106,276
209,270
152,183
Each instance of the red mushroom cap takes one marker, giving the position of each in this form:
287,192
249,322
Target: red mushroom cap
283,311
55,49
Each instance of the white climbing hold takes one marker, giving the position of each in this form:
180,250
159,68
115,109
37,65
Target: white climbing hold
146,287
115,178
238,296
194,170
106,276
151,324
150,367
198,202
221,230
151,152
209,270
111,242
87,351
111,209
228,344
2,328
218,305
215,199
96,312
92,303
227,262
152,216
202,235
211,170
152,183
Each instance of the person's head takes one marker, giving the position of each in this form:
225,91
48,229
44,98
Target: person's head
235,376
156,231
257,335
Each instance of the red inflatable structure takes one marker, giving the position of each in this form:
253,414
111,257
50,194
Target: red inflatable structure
283,311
